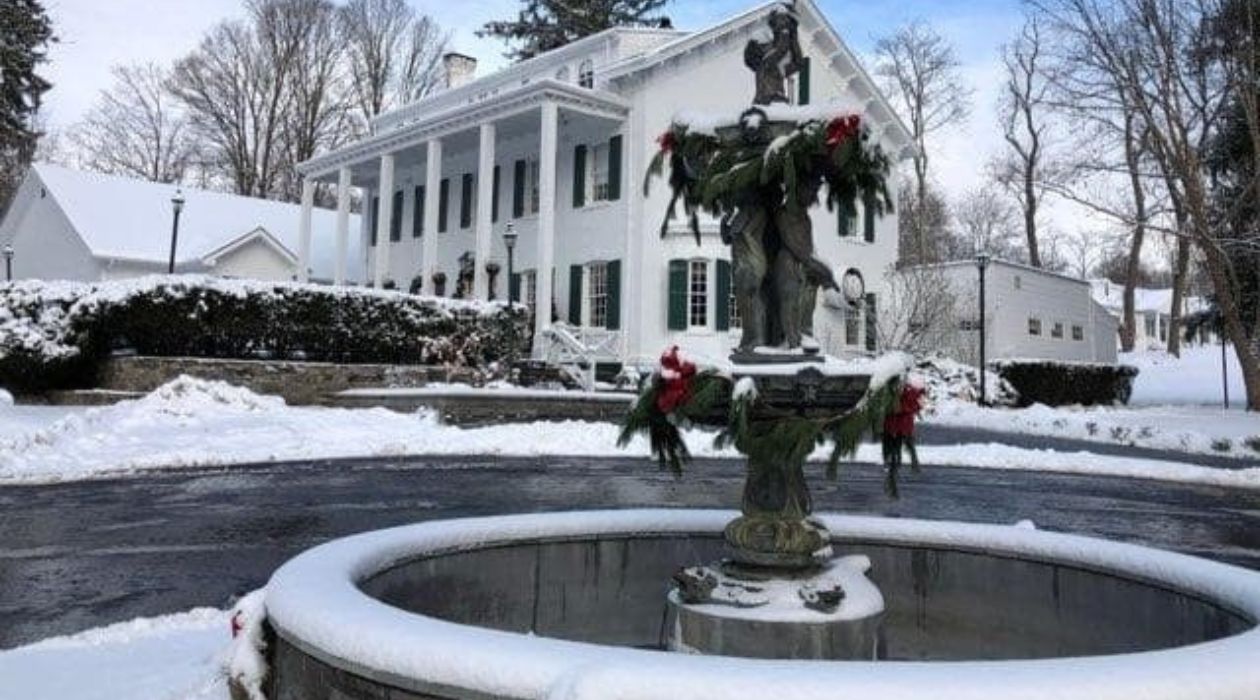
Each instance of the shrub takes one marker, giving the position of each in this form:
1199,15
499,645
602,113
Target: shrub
1253,443
52,335
1222,444
1068,383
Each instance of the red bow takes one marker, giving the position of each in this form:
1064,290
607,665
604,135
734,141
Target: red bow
676,374
667,141
841,129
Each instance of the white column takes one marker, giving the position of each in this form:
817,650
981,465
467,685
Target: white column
384,217
304,230
546,217
343,225
432,187
485,223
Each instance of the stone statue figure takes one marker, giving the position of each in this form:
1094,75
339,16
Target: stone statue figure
776,60
776,276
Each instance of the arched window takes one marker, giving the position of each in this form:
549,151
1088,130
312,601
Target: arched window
586,74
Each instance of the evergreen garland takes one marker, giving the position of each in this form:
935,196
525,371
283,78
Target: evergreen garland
790,438
717,175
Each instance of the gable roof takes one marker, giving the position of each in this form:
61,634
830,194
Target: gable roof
123,218
810,14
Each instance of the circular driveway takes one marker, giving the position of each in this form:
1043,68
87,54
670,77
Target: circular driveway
80,555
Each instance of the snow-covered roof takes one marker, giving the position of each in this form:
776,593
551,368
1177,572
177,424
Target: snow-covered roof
123,218
1145,299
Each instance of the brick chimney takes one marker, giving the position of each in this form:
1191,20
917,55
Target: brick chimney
460,69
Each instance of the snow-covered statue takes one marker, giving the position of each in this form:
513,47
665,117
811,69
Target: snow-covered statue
776,60
760,172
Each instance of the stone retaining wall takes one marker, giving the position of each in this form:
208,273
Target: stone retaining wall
298,382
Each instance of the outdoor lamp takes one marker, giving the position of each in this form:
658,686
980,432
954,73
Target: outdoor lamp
509,240
8,262
982,263
177,204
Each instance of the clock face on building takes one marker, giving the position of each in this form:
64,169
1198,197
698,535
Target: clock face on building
853,287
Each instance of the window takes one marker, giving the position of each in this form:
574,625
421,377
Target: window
599,173
698,294
735,322
372,220
969,325
1150,325
467,200
1078,333
1056,331
597,295
524,188
1034,326
444,201
396,214
528,290
417,218
586,74
852,326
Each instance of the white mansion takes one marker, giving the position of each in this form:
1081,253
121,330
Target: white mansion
555,149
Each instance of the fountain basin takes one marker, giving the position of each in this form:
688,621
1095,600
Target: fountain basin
573,605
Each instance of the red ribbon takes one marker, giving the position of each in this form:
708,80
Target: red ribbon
841,129
676,374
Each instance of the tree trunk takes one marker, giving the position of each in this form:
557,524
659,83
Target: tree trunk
1132,155
1180,273
1030,216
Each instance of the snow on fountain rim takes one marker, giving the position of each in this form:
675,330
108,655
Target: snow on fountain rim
315,602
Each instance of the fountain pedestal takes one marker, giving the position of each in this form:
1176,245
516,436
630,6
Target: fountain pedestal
831,612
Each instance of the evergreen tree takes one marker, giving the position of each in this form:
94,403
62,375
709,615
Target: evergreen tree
25,33
543,25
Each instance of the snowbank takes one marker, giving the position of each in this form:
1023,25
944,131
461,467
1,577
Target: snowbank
1194,378
161,658
191,423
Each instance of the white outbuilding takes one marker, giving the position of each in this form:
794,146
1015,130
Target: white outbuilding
72,225
555,149
1030,313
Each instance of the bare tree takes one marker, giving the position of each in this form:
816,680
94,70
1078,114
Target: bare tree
1084,252
920,70
1146,44
394,54
136,129
1023,110
921,312
986,224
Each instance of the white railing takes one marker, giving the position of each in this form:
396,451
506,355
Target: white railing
577,349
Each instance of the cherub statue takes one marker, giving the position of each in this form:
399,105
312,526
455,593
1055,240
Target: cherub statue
776,60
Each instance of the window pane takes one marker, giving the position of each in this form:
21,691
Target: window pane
698,307
597,295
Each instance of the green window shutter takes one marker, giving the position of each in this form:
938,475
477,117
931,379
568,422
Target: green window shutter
575,295
802,83
444,200
723,307
614,168
614,295
417,222
868,218
678,295
579,176
518,190
494,197
372,219
844,214
871,321
395,222
466,201
514,287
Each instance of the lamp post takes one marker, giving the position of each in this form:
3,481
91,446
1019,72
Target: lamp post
982,263
509,240
8,262
177,203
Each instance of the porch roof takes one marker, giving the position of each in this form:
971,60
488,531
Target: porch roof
446,119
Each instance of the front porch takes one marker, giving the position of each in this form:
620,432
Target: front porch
421,172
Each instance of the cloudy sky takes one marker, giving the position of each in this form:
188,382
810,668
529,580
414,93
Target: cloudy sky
97,34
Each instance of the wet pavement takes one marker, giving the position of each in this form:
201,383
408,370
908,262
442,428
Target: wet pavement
81,555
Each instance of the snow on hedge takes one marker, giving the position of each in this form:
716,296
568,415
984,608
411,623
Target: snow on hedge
192,423
51,333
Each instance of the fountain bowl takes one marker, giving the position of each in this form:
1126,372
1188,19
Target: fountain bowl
570,606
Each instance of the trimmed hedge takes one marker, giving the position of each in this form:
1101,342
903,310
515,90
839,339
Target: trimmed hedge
1068,383
52,335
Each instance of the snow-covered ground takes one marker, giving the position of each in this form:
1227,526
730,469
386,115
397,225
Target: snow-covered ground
1194,378
190,422
174,657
